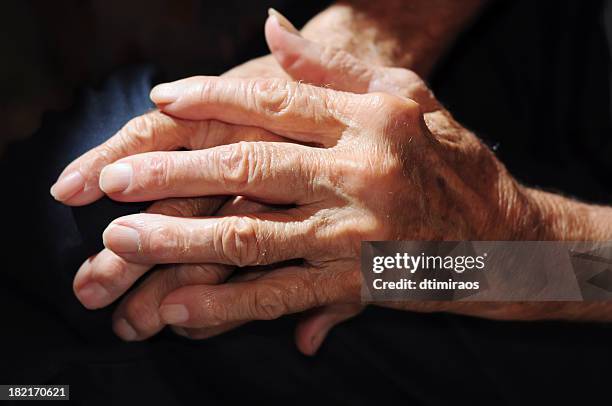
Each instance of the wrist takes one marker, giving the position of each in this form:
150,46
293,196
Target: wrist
411,34
563,219
338,26
513,211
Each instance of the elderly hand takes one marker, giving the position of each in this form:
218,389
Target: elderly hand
306,61
302,59
137,317
105,276
374,169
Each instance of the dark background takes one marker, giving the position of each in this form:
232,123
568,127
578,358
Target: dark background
531,78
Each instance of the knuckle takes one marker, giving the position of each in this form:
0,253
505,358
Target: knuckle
158,129
110,272
410,84
404,77
239,241
155,172
238,166
141,129
146,130
396,107
273,97
268,303
335,58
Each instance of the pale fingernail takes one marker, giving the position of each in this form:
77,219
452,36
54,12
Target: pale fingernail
92,294
67,186
125,331
166,93
174,313
121,239
283,22
115,178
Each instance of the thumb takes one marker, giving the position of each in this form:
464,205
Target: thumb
312,330
327,66
314,63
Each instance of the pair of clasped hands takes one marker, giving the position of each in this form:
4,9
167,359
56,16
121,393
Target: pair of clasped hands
291,169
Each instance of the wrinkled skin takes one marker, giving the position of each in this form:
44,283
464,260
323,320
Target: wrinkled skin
379,173
374,166
105,277
375,177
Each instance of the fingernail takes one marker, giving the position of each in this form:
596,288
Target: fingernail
283,22
115,178
165,93
174,313
125,331
121,239
93,294
67,186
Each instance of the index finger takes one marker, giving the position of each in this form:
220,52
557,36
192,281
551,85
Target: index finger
78,184
299,111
